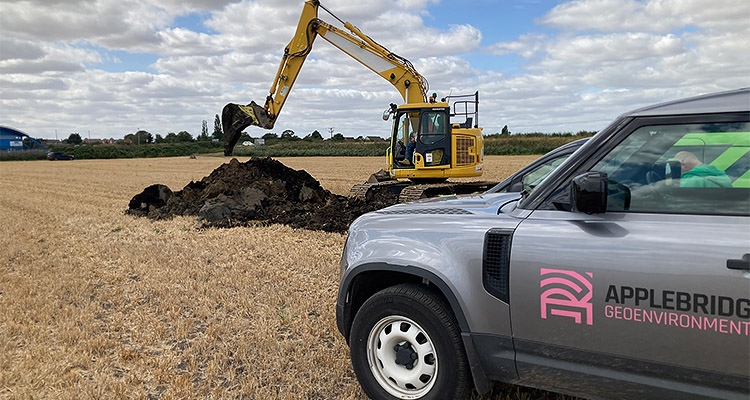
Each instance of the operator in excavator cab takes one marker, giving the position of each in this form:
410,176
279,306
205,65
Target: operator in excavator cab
409,154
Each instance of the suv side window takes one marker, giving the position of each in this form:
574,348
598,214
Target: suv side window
684,169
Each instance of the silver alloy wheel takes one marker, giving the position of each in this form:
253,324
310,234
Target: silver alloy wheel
410,380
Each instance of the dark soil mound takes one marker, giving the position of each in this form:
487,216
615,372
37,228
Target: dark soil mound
261,189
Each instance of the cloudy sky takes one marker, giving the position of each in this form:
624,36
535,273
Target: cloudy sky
109,67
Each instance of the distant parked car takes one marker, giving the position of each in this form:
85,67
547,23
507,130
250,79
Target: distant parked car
58,155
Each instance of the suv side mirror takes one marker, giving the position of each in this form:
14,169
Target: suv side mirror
589,192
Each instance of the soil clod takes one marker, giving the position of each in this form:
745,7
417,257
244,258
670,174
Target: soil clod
261,189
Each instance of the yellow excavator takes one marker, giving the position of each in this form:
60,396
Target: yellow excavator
428,143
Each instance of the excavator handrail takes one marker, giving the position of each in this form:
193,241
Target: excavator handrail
466,113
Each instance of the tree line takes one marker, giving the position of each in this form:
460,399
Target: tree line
145,137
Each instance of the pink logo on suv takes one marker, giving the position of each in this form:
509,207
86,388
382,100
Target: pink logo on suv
567,294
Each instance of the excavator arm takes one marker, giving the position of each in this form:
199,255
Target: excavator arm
393,68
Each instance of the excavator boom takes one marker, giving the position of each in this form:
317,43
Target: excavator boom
393,68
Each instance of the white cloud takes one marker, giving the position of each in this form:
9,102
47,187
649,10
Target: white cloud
610,56
647,16
598,59
14,49
527,46
133,25
105,21
405,33
26,83
261,26
181,41
268,26
182,6
614,48
459,39
46,57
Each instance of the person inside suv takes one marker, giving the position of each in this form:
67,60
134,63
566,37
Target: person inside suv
697,174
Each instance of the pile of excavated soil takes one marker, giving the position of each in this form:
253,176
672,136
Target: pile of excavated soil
261,189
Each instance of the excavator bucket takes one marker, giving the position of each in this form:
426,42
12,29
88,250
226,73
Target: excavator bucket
235,118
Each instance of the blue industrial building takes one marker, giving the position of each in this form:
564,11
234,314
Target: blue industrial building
12,139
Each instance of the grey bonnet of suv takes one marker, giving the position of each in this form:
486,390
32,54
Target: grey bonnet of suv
622,274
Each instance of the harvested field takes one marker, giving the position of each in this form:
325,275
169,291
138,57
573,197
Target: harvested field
99,304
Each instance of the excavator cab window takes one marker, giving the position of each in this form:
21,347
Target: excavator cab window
433,127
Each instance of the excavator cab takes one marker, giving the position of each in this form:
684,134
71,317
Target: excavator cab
442,149
428,130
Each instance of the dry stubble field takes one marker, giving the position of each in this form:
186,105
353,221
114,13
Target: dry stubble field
98,304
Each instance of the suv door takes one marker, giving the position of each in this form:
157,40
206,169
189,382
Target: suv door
654,294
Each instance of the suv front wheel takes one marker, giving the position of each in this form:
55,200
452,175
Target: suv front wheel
405,344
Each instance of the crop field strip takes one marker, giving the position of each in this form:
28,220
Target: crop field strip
99,304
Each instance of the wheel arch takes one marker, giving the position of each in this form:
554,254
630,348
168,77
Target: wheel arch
369,279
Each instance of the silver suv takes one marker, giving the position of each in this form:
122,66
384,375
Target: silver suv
624,274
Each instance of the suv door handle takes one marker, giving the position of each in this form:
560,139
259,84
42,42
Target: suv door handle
744,263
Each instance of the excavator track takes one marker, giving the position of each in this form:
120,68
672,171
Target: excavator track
424,191
401,192
372,191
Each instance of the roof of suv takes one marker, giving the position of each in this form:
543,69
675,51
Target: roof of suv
730,101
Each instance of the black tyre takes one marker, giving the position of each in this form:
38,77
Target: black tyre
405,344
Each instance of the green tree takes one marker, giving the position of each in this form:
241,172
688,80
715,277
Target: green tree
338,137
184,136
170,138
313,136
74,138
204,131
159,139
270,135
218,133
288,135
140,137
244,136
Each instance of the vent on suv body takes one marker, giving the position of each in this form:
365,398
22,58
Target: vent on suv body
496,263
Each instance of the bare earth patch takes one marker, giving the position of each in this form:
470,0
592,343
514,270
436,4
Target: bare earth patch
99,304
